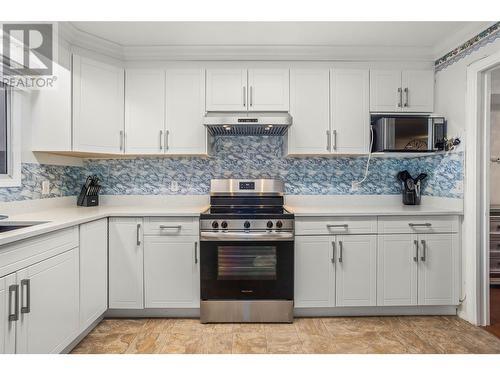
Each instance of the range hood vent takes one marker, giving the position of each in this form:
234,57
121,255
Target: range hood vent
221,124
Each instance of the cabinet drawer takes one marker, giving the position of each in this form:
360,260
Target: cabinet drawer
335,225
24,253
495,243
420,224
495,265
171,226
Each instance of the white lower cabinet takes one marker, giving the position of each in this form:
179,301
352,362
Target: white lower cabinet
314,272
93,271
8,288
335,271
171,272
356,270
126,255
48,304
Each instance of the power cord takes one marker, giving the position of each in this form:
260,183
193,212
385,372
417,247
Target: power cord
355,184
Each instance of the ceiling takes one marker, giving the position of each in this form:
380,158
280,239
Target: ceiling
429,38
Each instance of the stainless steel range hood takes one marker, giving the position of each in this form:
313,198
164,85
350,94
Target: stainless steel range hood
223,123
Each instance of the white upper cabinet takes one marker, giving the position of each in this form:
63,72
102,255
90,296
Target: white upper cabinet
268,89
356,270
226,90
310,110
98,106
185,107
144,111
418,90
401,91
350,111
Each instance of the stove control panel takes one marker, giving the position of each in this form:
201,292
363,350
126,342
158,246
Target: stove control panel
247,225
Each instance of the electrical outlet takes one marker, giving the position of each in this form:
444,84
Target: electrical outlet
459,186
45,187
354,186
174,186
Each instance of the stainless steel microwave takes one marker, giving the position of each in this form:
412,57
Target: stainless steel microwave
418,133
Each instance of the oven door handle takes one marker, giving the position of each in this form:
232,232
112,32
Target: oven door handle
246,236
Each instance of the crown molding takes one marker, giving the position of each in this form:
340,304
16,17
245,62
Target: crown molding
80,39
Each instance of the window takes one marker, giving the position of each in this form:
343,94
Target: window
10,165
4,128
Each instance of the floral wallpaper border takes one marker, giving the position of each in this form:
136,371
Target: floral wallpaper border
487,36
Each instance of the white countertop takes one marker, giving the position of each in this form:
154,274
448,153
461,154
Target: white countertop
61,213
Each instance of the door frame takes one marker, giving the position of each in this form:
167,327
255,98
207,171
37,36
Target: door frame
475,307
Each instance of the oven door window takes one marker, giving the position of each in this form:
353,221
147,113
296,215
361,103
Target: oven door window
246,262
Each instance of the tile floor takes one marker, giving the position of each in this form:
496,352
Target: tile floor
410,334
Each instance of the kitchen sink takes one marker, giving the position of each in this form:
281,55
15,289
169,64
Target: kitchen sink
7,226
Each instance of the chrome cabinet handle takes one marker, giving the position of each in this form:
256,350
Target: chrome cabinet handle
244,96
138,234
406,97
161,140
328,140
341,251
345,226
122,140
167,134
334,140
14,316
400,94
424,251
333,252
25,283
251,96
415,258
196,252
428,225
170,227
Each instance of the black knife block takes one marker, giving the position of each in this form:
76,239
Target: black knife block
89,195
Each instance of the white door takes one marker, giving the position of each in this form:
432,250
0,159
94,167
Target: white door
438,269
8,290
93,271
350,111
185,107
171,272
386,93
98,106
310,110
49,313
314,272
125,263
418,90
226,90
268,89
144,111
397,270
356,270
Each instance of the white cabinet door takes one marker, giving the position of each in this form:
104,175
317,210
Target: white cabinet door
356,270
171,272
438,269
350,111
268,89
144,111
397,270
226,90
98,106
185,107
385,91
310,110
49,310
125,263
418,90
314,272
93,271
8,307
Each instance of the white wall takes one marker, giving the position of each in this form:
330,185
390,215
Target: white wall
495,138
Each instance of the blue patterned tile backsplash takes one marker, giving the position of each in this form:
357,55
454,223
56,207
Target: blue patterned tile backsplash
244,157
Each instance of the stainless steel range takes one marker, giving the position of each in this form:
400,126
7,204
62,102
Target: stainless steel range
246,253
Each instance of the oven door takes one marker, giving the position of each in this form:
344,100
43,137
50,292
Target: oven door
246,270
